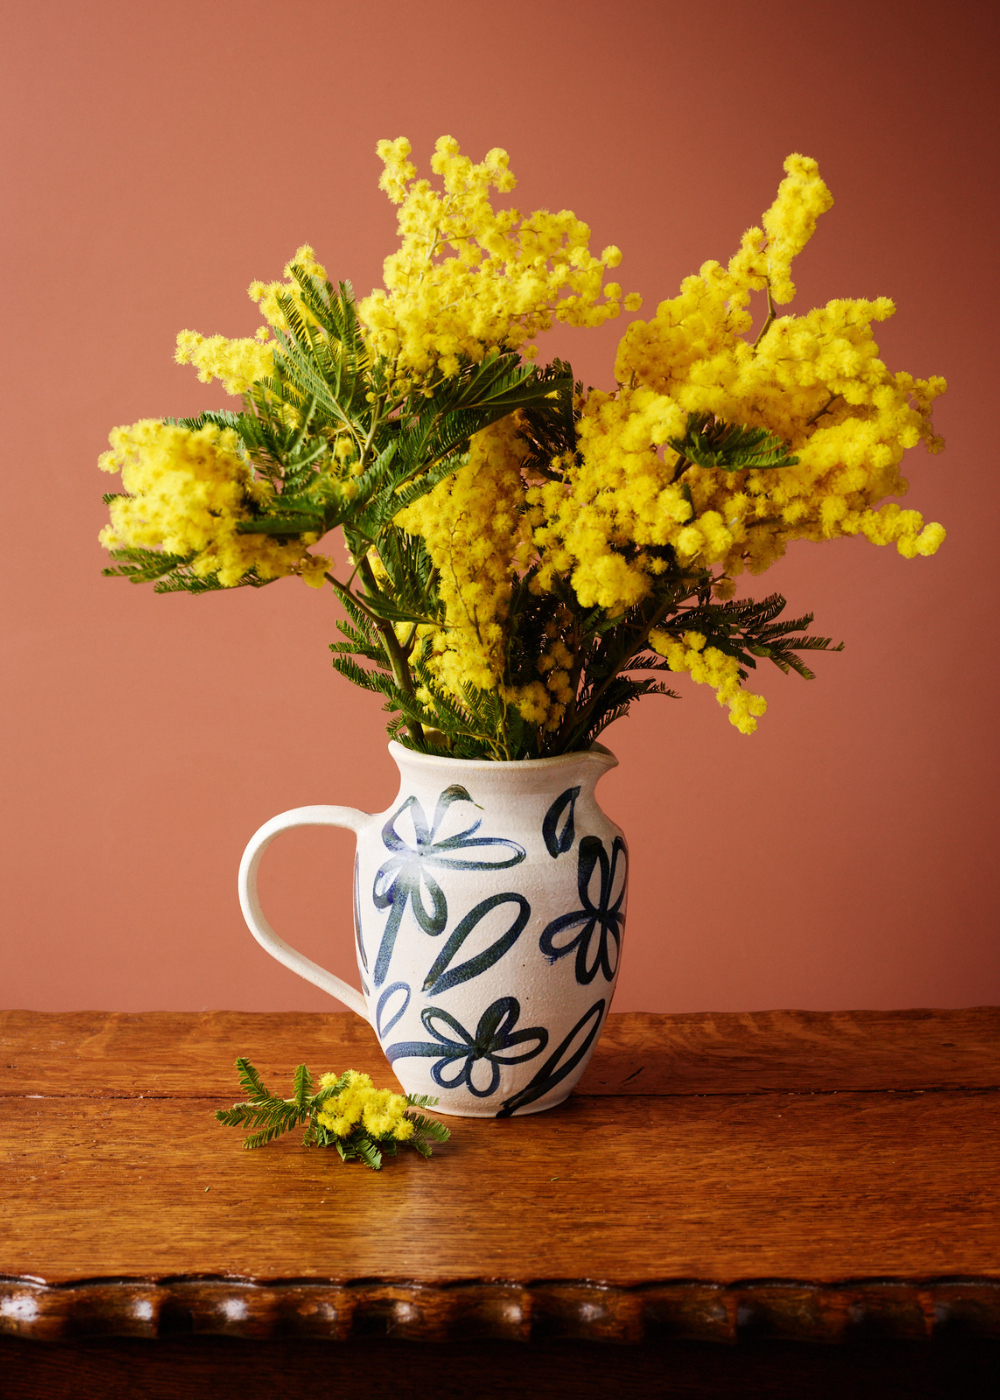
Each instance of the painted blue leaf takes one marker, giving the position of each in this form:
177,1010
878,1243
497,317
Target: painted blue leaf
560,1063
383,1030
439,980
557,841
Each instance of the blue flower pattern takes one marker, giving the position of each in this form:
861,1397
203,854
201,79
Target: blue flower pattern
464,1058
474,1060
602,921
405,878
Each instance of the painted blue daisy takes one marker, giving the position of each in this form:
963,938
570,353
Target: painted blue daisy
601,921
473,1060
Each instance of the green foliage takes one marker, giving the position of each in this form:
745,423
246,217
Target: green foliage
549,425
618,656
145,565
731,447
337,442
747,629
171,573
341,444
273,1116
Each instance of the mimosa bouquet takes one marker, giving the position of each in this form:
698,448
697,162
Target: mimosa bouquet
520,560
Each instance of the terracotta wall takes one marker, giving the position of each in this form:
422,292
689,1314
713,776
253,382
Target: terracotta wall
160,156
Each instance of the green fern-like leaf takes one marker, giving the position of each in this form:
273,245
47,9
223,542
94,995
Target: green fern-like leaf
251,1082
367,680
730,447
144,565
266,1135
430,1127
303,1085
367,1150
748,628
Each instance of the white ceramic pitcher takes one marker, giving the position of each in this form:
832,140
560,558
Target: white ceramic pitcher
489,913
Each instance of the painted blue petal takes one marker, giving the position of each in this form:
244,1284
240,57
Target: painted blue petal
383,1030
557,841
439,979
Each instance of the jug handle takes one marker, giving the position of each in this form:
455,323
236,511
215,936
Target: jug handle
265,935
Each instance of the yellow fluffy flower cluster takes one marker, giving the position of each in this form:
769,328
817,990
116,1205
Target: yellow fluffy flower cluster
266,294
474,528
627,506
381,1112
709,666
240,363
237,363
466,278
187,491
815,381
630,513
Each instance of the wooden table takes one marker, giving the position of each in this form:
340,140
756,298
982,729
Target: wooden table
779,1204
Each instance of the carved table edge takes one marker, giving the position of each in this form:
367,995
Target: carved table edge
855,1310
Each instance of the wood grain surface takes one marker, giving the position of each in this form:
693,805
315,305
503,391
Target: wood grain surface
715,1178
188,1053
623,1191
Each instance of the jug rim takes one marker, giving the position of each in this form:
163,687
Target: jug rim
596,752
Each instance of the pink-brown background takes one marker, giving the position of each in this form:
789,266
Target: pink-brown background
160,156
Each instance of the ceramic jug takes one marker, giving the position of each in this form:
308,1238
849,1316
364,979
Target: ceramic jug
489,913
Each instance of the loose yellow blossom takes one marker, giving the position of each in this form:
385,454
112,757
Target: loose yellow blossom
187,490
381,1112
